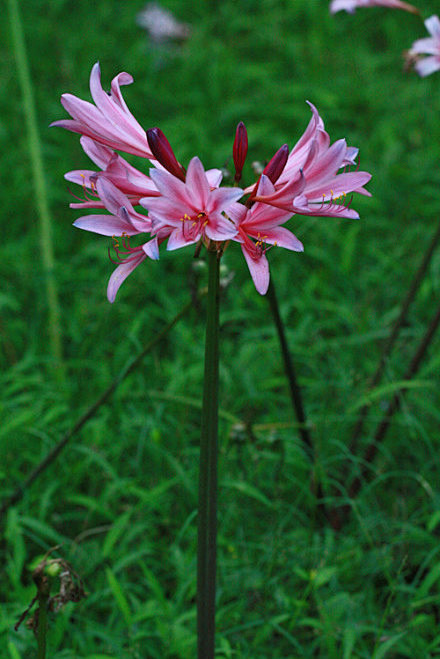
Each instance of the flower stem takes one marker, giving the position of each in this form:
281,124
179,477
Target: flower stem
207,516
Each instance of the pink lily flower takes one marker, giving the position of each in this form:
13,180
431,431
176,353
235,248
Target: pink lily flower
129,180
311,182
190,210
123,221
257,227
109,122
351,5
429,46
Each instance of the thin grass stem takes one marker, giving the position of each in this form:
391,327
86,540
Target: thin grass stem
392,408
395,330
36,160
207,511
295,392
295,389
90,412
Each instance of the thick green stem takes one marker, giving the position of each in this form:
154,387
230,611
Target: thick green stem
207,515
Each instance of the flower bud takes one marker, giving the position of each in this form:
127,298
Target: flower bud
163,153
239,150
276,164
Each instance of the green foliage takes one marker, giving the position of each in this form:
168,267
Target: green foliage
121,498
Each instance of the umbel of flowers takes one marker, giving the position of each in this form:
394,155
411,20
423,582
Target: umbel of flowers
189,206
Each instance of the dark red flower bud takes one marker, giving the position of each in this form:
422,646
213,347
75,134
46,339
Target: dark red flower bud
163,153
239,150
275,166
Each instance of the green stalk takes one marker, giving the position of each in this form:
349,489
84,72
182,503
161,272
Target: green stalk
34,146
207,516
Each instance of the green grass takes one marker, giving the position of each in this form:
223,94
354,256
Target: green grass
121,498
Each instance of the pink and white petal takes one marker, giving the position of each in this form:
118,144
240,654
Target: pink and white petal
197,183
172,188
86,113
178,239
433,26
350,156
265,187
330,210
325,166
237,212
87,204
164,210
122,121
119,80
80,177
112,197
101,155
264,216
141,223
427,65
284,195
341,184
428,46
121,273
106,225
221,199
220,230
214,177
282,237
259,270
151,249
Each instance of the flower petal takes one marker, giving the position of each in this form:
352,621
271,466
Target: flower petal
121,273
259,269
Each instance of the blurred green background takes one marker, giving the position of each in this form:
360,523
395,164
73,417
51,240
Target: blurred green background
121,498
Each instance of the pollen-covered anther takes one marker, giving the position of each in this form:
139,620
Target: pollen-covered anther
89,194
197,224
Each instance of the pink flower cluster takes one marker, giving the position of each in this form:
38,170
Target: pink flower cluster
189,206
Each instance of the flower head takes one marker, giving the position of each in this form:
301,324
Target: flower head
351,5
258,228
192,210
312,182
428,46
186,207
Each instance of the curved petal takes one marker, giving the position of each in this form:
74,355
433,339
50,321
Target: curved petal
282,237
259,269
151,249
177,239
214,177
106,225
121,273
197,183
172,188
427,65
